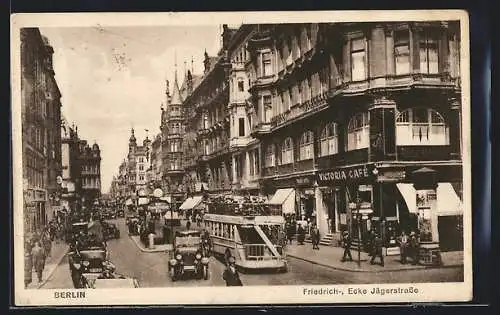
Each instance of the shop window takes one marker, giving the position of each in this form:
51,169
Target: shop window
306,146
429,56
287,151
270,156
358,131
421,126
402,52
358,59
329,140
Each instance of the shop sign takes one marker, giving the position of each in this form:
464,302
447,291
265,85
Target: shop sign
392,176
303,181
345,175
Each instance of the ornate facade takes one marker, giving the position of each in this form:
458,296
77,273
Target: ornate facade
41,129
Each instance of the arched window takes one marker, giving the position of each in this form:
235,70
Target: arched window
287,151
421,126
306,146
270,156
329,140
358,131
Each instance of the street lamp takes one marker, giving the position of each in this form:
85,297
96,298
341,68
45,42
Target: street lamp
358,218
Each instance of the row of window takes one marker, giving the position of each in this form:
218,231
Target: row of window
35,177
414,126
223,230
90,182
427,45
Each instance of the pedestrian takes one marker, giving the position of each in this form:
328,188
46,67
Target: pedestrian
47,245
377,250
315,237
414,248
301,234
188,225
403,246
38,260
231,275
28,265
346,244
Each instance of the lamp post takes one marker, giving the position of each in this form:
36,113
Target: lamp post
358,219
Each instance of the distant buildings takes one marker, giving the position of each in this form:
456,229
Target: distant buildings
41,131
81,175
350,126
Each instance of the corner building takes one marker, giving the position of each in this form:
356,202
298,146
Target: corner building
361,124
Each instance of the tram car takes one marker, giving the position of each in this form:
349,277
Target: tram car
251,232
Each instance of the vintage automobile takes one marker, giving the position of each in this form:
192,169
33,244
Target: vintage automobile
75,229
91,261
187,256
110,230
120,213
132,222
108,279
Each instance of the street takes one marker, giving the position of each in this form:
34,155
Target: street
150,269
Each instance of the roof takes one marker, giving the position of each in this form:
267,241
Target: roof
176,94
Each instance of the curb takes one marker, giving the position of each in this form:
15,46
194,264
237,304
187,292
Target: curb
146,250
51,272
374,271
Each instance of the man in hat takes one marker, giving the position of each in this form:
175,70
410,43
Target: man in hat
414,248
377,250
346,244
403,246
231,275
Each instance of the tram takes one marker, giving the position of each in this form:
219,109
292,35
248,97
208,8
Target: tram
252,233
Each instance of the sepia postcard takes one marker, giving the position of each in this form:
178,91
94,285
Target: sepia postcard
303,157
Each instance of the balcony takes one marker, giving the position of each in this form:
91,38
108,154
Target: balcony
219,95
397,82
298,110
424,153
261,128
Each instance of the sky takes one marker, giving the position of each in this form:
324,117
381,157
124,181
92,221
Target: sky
113,78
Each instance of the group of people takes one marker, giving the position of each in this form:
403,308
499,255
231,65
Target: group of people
37,249
409,247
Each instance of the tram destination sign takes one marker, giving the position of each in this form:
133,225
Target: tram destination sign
346,175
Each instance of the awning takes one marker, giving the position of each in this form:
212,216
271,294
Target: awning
191,203
143,201
409,195
285,198
448,202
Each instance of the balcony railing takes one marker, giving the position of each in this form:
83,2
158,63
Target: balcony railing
300,109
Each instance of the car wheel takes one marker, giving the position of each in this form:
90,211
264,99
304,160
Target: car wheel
205,272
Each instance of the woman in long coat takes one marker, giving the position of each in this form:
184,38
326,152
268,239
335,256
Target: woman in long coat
28,266
38,259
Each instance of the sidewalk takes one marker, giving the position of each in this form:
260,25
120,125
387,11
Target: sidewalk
330,256
157,248
59,250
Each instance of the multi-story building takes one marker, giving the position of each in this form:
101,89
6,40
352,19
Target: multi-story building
41,129
138,162
361,121
177,139
90,171
208,156
156,162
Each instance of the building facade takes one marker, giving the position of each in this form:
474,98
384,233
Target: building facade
81,170
362,121
138,162
41,129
